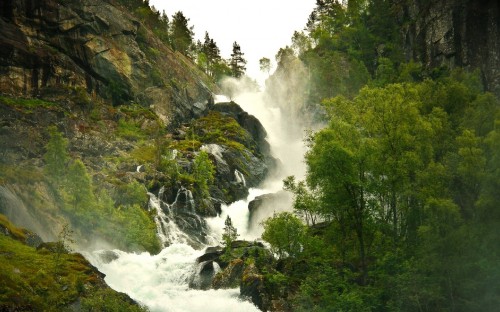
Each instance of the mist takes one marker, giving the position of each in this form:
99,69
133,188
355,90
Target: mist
282,110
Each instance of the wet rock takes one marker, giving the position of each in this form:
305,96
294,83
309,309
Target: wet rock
264,206
247,122
107,256
252,286
211,254
202,279
230,277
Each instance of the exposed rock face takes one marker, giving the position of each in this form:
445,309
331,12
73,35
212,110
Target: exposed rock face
264,206
252,286
462,33
247,122
96,46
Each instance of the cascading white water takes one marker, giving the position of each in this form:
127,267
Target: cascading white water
286,140
161,282
240,178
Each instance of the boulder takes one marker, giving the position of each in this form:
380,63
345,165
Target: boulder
211,254
252,287
230,277
248,122
202,279
264,206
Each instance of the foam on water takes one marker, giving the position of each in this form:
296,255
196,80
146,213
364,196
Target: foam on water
161,281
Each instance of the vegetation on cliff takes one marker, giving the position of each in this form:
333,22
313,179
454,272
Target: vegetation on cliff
49,278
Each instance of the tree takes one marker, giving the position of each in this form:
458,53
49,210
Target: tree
212,54
229,236
301,43
56,156
306,202
265,65
237,62
203,172
285,232
80,194
181,34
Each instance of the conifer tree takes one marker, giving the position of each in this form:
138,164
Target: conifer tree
237,62
181,34
212,55
230,233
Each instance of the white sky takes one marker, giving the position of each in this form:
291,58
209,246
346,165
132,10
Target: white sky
260,27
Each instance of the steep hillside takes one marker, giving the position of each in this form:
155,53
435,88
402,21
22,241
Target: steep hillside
52,47
46,277
96,111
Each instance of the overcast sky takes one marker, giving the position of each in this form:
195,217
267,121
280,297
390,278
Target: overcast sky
260,27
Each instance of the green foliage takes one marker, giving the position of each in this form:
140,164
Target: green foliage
203,172
228,237
181,34
56,156
237,62
265,65
123,222
129,130
27,104
79,192
402,174
42,280
285,233
305,201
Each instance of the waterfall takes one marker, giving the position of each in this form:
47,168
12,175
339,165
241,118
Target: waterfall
167,281
240,178
161,282
178,222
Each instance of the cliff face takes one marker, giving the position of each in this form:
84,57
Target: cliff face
464,33
99,47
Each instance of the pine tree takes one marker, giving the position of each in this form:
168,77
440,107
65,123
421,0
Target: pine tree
229,236
181,34
237,62
212,54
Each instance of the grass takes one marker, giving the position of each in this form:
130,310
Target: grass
219,129
27,104
42,280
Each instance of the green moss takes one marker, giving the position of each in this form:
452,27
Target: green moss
186,145
220,129
11,174
39,281
129,130
31,281
15,232
27,104
138,111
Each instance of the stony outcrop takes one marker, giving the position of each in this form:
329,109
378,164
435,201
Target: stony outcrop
264,206
247,121
463,33
96,46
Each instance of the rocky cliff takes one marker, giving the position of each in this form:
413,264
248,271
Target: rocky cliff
50,46
457,33
131,112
